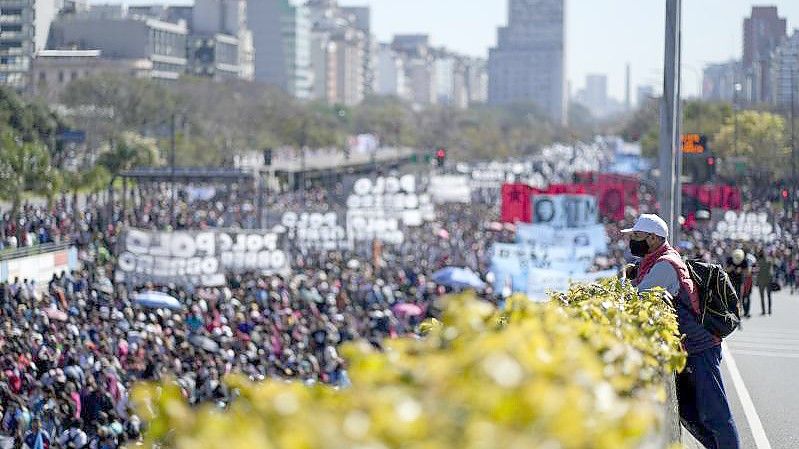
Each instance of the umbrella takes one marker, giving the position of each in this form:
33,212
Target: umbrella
204,342
458,278
407,309
104,286
157,300
55,314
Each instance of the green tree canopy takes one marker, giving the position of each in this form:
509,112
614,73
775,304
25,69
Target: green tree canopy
698,117
760,137
24,166
129,151
216,120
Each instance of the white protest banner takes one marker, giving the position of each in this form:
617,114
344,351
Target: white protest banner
588,238
450,189
197,257
580,210
549,210
390,198
314,230
565,210
536,235
365,226
542,281
746,227
511,263
509,266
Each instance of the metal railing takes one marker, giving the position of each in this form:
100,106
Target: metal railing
16,253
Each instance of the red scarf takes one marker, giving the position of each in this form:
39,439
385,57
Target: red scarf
668,254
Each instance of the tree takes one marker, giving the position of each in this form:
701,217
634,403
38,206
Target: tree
218,120
92,180
24,166
698,117
129,151
391,119
136,104
760,137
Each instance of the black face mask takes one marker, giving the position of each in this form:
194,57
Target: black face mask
639,248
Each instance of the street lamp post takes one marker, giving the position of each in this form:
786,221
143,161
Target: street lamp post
670,121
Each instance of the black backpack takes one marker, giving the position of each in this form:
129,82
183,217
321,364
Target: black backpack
719,307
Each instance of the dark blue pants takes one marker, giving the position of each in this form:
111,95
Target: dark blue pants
704,409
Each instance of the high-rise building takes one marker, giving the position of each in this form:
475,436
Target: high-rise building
25,31
644,94
718,81
390,74
361,18
528,65
596,94
337,55
444,65
128,38
785,72
343,34
460,85
763,31
220,45
419,63
476,80
460,80
281,31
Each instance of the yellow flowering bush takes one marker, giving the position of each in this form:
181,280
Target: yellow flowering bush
585,370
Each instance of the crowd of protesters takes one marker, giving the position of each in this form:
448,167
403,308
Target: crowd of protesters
71,350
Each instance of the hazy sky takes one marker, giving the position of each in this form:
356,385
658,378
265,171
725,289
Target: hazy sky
602,35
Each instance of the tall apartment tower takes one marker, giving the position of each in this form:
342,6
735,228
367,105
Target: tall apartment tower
25,30
281,31
763,31
785,72
528,65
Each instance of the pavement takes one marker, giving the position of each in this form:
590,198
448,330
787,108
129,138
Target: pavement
764,357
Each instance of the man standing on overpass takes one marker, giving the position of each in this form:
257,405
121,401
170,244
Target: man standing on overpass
704,408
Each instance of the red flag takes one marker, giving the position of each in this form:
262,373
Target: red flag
516,204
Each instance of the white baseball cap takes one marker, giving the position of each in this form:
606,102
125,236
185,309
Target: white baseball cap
651,224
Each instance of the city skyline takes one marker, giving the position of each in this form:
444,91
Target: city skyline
634,27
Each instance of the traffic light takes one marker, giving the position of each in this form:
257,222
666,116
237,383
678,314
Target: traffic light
701,168
785,194
441,157
268,157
